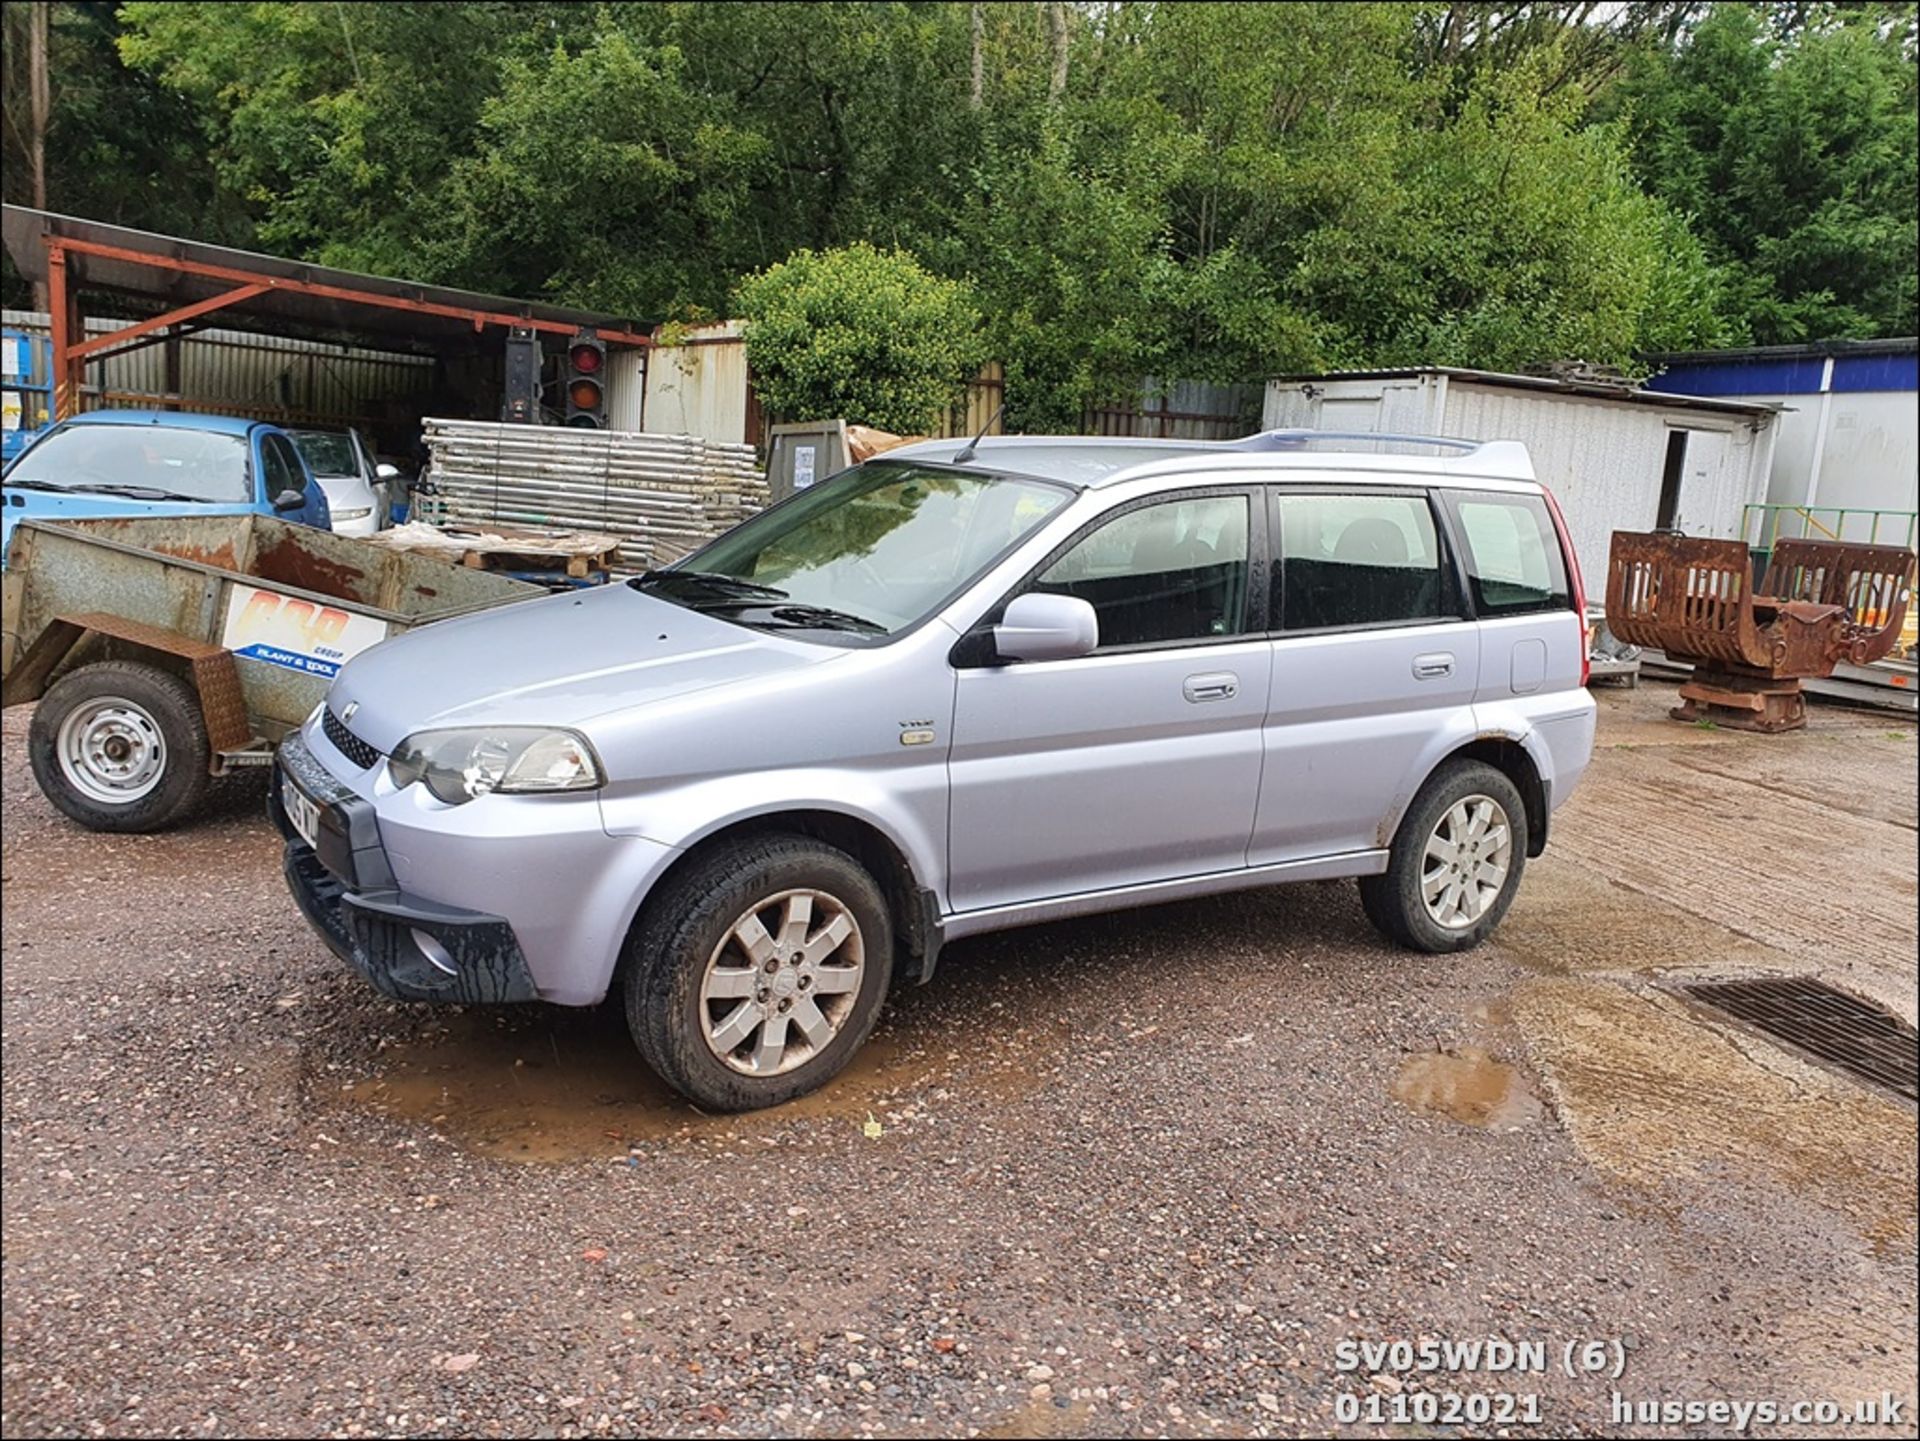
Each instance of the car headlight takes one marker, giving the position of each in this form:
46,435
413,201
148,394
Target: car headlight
357,513
461,765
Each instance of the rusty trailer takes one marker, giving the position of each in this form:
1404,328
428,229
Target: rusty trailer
1818,605
166,650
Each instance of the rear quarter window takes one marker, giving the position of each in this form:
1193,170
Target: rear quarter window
1512,553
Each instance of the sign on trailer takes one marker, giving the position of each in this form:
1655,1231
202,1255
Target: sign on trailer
296,634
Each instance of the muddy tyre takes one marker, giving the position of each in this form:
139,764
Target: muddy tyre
758,971
1455,862
120,746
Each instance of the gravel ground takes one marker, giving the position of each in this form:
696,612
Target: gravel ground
1135,1175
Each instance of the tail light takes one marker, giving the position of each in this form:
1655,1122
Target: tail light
1573,577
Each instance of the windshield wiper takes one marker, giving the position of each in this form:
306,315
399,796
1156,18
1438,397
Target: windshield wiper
817,617
710,580
34,485
137,492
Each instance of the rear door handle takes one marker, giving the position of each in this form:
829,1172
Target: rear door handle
1435,666
1221,685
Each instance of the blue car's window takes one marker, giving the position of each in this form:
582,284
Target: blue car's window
147,462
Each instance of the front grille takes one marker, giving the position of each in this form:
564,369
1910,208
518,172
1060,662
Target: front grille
348,744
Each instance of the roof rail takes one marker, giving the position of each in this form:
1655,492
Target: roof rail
1298,439
1503,458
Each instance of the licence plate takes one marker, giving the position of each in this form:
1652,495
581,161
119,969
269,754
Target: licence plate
302,810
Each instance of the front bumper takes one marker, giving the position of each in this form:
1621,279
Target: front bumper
405,947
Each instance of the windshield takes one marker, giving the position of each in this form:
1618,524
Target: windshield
329,453
158,462
872,550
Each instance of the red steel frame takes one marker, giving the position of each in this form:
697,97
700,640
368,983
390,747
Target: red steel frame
71,350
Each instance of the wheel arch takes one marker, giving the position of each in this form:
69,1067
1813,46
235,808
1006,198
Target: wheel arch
915,908
1506,753
1509,755
70,643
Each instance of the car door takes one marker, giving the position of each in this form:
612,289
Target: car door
1139,762
282,469
1374,666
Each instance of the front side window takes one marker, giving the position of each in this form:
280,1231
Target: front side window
872,550
1359,560
1175,570
146,462
282,466
1513,554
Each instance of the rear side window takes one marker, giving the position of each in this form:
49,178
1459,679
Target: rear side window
1513,555
1359,560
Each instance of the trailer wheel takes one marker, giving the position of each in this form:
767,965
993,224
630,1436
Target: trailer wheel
120,746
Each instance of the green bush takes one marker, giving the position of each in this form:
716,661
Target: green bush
859,334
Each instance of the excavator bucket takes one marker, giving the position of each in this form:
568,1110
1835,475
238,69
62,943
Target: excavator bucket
1873,584
1819,603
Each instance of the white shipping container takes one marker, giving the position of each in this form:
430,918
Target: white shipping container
1603,451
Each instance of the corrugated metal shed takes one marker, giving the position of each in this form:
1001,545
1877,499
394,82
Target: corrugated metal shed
1602,449
697,389
106,257
246,373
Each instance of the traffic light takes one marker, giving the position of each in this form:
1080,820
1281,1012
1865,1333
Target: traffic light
586,380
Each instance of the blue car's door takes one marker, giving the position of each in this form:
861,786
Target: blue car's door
279,467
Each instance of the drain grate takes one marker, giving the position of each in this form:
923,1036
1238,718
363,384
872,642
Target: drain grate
1829,1025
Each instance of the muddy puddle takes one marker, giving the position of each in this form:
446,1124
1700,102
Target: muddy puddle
571,1087
1468,1085
1042,1417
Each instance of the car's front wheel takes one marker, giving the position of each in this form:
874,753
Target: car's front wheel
1455,863
758,971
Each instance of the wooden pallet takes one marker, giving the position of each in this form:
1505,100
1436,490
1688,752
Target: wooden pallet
539,552
577,564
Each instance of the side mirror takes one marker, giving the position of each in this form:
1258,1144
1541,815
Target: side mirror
383,471
290,500
1046,627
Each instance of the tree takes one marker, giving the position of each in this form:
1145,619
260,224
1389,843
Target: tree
1790,142
117,145
859,333
1128,188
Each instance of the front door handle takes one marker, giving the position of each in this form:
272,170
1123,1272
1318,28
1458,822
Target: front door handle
1434,666
1220,685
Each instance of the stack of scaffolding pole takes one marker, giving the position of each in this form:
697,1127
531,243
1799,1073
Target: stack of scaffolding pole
663,495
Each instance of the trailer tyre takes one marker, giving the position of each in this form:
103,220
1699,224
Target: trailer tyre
120,746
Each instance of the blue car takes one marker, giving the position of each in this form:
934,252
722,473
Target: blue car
151,462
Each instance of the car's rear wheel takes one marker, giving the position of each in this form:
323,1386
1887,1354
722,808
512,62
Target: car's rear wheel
758,971
120,746
1455,863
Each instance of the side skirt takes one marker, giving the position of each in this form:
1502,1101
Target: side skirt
1087,903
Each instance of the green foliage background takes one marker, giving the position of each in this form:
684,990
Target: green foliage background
1217,191
860,332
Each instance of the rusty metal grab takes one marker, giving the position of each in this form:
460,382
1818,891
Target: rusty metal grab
1819,603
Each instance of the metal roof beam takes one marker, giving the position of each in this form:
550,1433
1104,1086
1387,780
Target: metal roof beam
479,318
130,337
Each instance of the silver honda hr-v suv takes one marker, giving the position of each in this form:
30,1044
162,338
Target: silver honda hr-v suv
955,689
